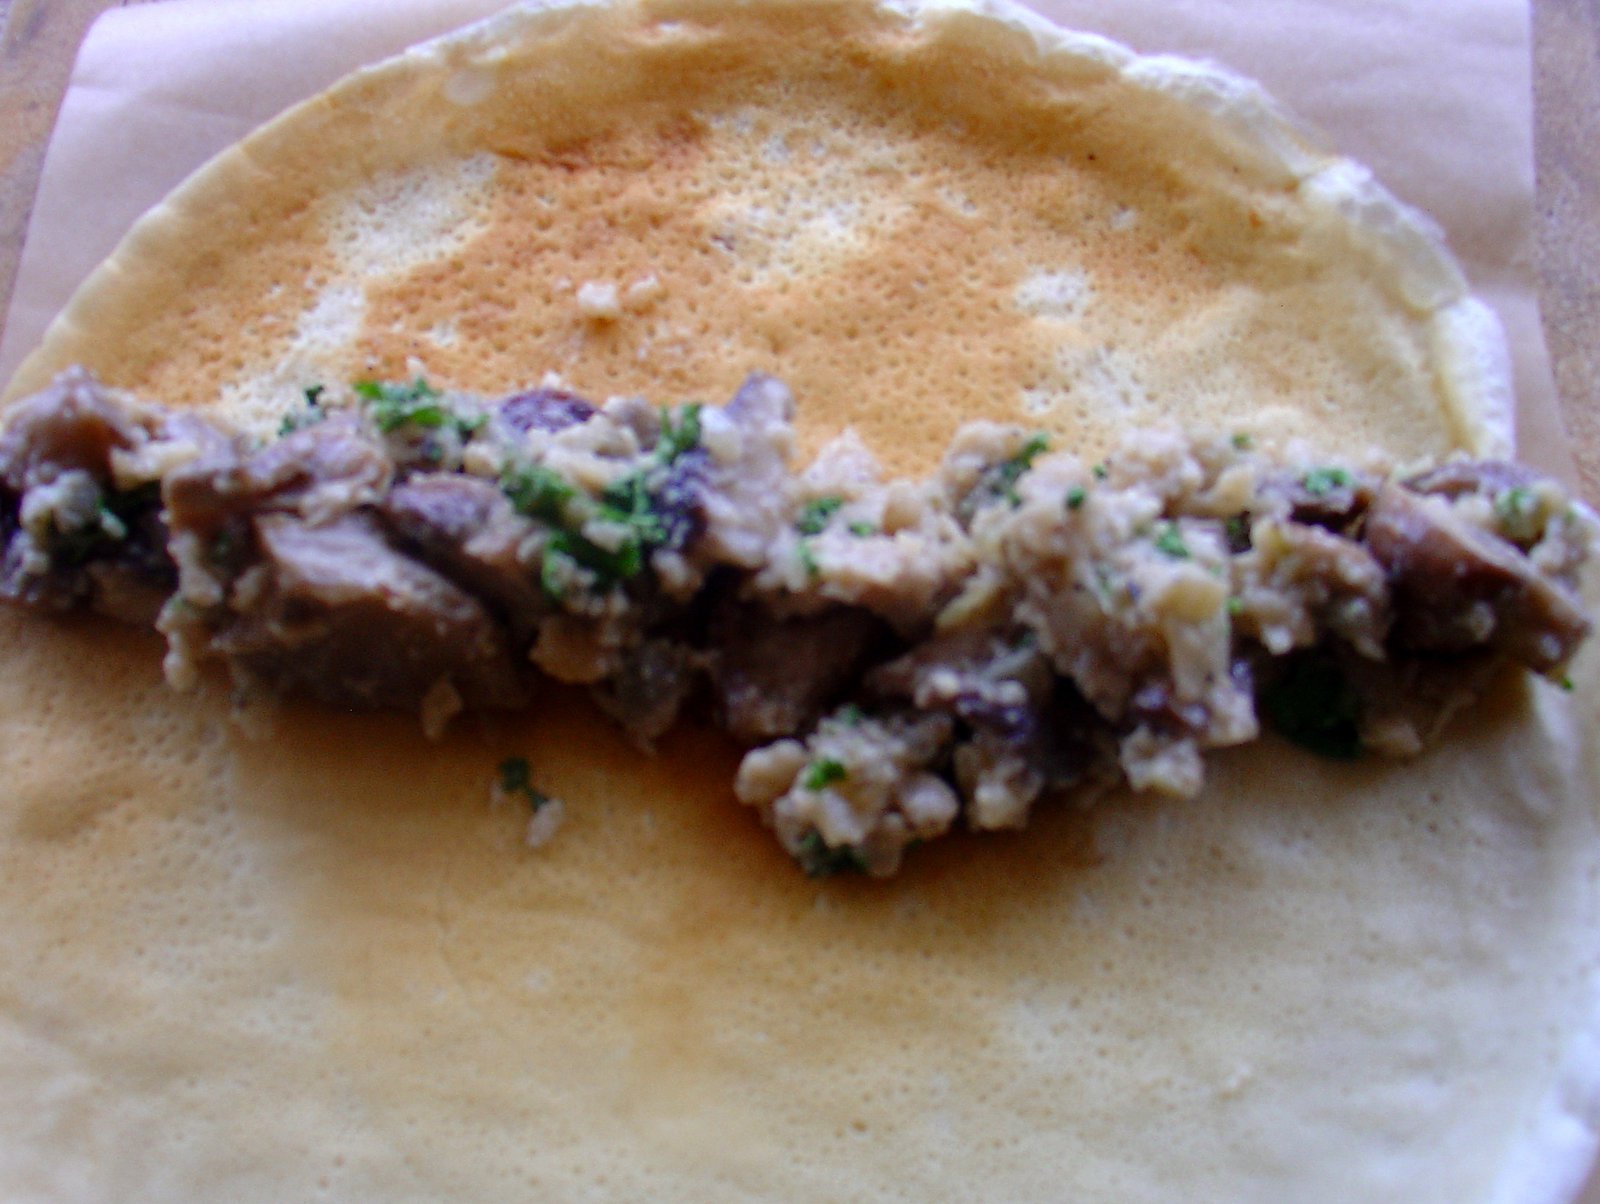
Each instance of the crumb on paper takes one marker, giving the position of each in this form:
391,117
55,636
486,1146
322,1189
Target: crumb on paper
514,783
644,292
598,301
544,822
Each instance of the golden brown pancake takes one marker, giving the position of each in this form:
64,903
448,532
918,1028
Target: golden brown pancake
322,962
964,216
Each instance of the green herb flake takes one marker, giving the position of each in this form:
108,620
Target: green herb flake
1105,584
822,772
553,570
312,413
607,564
514,774
1566,684
1235,605
1075,497
516,777
819,859
1008,473
1241,441
1038,443
1320,482
76,546
395,405
808,558
630,503
680,431
1169,542
1100,472
816,513
1237,530
429,417
862,528
850,715
1514,506
537,491
1313,704
542,493
999,481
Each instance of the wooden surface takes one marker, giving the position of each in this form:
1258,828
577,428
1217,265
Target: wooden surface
1566,91
40,38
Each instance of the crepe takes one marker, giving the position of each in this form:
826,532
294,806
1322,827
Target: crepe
247,977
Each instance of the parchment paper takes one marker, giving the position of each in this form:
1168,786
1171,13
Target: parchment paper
1435,97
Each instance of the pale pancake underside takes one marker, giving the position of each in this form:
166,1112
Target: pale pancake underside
250,970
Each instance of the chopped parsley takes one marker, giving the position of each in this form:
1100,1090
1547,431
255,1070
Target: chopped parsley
1313,704
1075,497
862,528
1237,529
824,771
1235,605
517,778
629,502
1105,584
1517,509
1566,684
542,493
609,565
1513,502
819,859
537,491
816,513
115,515
417,404
999,481
680,431
553,574
849,714
1320,482
1169,542
396,405
1009,472
309,416
1100,471
1241,441
808,558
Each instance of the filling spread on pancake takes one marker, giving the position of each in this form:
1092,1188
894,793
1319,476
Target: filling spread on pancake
896,654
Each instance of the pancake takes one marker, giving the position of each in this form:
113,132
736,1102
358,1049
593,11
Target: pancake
999,220
323,962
